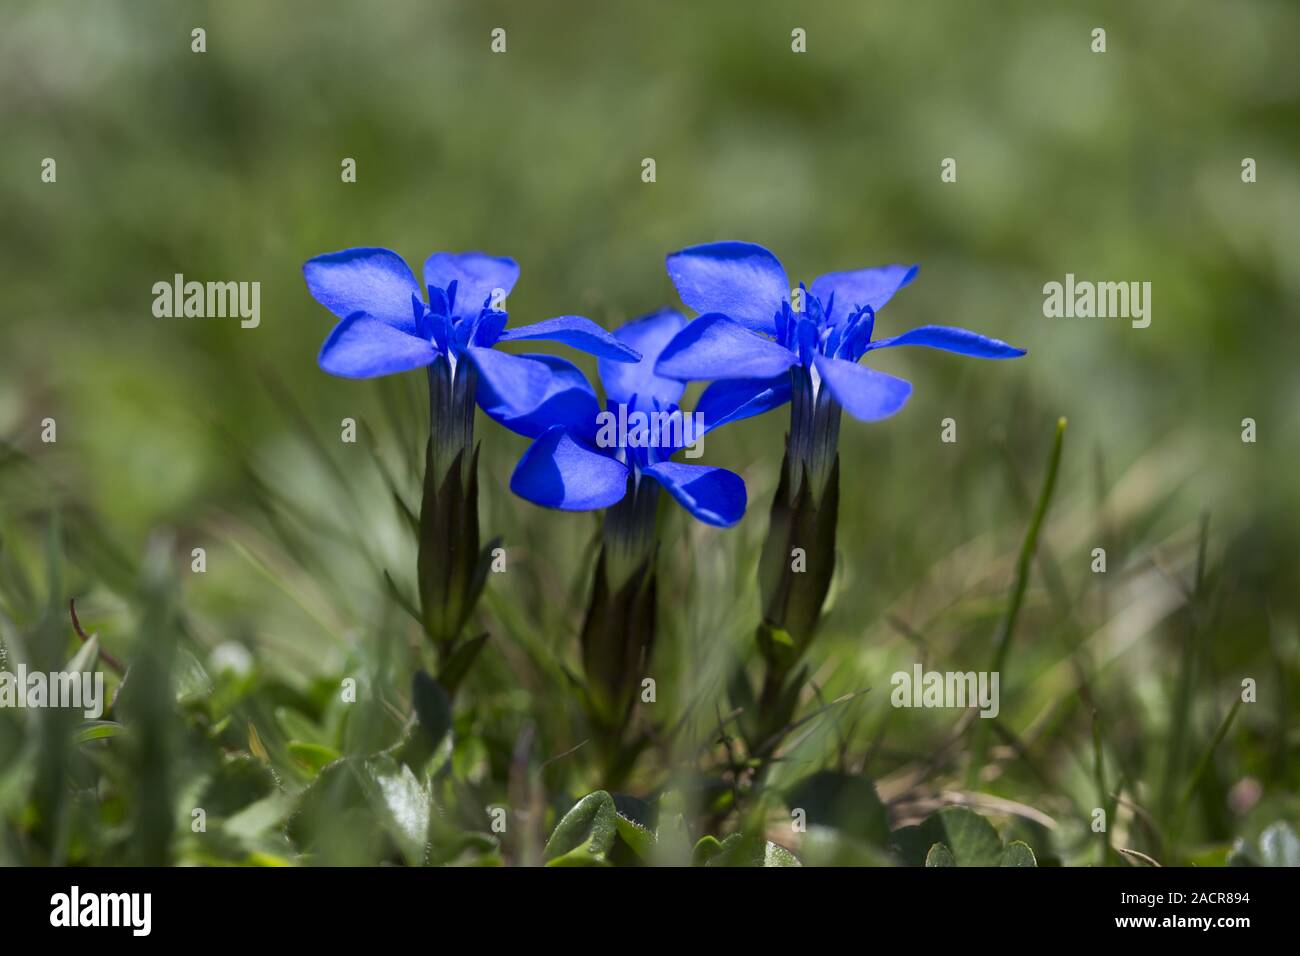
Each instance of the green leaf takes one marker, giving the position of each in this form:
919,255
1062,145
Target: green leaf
1018,853
314,757
672,833
940,855
458,664
432,722
706,849
777,855
742,849
98,730
297,727
84,659
432,708
189,678
400,801
641,840
1278,846
259,817
400,599
586,833
971,839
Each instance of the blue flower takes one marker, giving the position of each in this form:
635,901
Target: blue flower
748,338
387,326
583,459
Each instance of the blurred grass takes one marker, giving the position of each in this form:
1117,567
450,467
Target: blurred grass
174,434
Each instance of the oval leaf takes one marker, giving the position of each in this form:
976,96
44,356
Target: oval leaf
585,834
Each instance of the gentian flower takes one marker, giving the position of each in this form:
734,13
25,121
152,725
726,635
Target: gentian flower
761,352
387,326
581,462
618,459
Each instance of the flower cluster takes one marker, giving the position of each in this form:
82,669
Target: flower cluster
761,345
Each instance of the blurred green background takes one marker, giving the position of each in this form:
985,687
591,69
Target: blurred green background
182,433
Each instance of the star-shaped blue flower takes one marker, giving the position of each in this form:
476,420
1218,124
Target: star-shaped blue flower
748,337
387,326
574,467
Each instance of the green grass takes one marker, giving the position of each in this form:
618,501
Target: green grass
1120,691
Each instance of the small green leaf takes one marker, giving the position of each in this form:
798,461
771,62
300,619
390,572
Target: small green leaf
458,664
706,849
1018,853
98,730
780,636
641,840
586,833
432,723
777,855
401,802
672,833
1279,845
189,678
314,757
296,726
400,599
940,855
259,817
84,659
742,849
971,839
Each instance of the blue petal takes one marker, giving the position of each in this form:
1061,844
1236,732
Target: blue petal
866,394
377,281
486,329
738,279
476,276
569,401
558,472
730,401
862,287
362,347
951,339
713,346
509,386
648,336
714,495
576,332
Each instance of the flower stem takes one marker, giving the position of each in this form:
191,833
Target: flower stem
451,568
798,558
618,630
629,531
